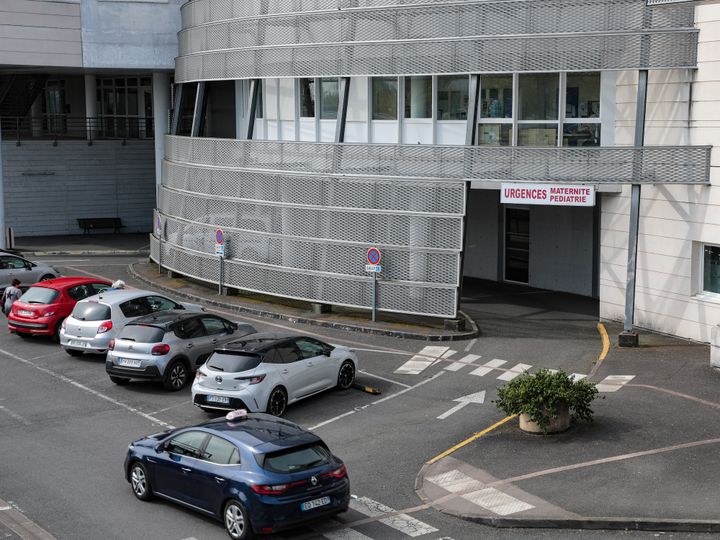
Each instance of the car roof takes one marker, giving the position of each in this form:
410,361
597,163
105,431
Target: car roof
257,342
67,282
121,295
165,319
262,433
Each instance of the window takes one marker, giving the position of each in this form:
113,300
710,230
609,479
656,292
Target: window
141,333
307,98
496,97
711,269
160,303
453,97
231,362
190,329
418,97
491,134
296,459
91,311
137,307
39,295
80,292
309,348
187,444
213,325
287,353
582,95
329,98
384,98
538,96
221,452
9,263
581,135
99,287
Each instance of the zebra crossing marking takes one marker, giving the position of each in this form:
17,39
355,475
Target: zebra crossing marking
402,522
464,361
497,502
344,534
424,359
488,367
613,383
514,372
455,481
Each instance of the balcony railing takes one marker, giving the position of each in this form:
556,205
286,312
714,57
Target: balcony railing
54,127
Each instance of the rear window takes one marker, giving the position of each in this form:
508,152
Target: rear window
91,311
233,363
39,295
297,459
142,333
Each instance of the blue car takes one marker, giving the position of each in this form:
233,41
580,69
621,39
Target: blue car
254,472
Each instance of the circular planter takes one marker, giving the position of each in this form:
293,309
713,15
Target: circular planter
557,425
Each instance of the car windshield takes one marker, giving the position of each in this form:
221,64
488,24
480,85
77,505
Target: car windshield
233,362
91,311
142,333
297,459
39,295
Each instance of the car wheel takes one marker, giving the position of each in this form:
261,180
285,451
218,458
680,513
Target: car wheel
140,482
56,332
46,277
121,381
236,521
73,352
176,376
346,375
277,402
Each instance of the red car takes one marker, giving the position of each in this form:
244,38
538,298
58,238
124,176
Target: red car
43,307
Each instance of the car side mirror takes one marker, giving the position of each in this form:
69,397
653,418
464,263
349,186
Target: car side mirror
161,447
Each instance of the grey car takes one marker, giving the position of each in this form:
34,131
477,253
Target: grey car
168,346
28,272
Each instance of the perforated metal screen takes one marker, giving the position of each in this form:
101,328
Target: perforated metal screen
225,39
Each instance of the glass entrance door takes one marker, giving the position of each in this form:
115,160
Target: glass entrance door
517,244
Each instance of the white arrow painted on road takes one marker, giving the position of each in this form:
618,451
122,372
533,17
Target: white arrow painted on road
478,397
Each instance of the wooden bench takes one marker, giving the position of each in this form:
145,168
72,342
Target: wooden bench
90,224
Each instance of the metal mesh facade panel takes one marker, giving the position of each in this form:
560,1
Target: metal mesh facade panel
222,40
597,165
351,291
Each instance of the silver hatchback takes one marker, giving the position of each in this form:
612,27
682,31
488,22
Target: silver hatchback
168,346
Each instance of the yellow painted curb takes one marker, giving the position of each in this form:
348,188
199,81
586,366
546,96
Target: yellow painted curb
605,341
471,439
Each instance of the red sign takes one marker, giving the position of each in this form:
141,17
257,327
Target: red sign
373,256
548,194
219,237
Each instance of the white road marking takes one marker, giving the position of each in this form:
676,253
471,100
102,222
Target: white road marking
183,404
613,383
422,360
488,367
342,534
514,371
470,345
464,361
331,420
455,481
383,378
497,502
87,389
4,508
15,416
402,522
578,376
478,397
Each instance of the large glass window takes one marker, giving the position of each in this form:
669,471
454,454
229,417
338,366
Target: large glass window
307,98
496,96
582,95
490,134
384,98
538,96
537,134
418,97
452,98
711,269
329,98
581,134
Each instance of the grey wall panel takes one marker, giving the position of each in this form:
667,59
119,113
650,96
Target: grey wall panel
222,40
481,246
48,187
561,249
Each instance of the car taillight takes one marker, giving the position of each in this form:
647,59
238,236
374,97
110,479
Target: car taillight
199,374
159,350
340,472
105,326
275,489
111,345
252,380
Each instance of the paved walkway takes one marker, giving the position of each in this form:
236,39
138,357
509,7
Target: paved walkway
84,244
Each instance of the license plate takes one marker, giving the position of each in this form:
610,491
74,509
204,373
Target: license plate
322,501
76,343
25,313
127,362
218,399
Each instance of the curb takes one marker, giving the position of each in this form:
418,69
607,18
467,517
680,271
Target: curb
139,252
588,523
472,333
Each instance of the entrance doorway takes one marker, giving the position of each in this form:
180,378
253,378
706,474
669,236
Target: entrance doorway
517,245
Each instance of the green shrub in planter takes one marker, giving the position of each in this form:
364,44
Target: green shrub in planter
543,394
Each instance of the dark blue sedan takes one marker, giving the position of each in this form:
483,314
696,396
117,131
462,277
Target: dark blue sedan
254,472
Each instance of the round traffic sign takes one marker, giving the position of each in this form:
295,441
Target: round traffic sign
219,236
373,256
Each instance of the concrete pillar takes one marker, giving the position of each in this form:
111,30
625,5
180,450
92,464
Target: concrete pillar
161,106
36,116
91,112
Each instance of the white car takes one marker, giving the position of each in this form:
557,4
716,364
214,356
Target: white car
267,372
28,272
97,319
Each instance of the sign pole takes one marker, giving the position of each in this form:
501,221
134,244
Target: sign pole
374,296
373,258
221,276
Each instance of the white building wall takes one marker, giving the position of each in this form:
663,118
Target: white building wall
683,108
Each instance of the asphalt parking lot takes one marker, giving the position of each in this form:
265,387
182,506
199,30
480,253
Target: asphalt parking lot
65,428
